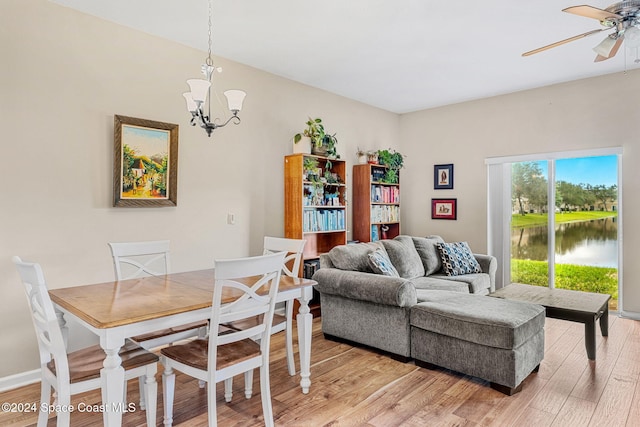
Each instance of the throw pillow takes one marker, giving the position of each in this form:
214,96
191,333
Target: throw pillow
404,257
381,264
457,259
426,247
353,257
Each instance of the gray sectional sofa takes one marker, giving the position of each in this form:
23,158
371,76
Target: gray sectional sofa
387,313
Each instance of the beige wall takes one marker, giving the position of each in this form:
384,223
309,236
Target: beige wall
585,114
63,77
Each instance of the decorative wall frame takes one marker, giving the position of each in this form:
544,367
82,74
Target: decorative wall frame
443,177
145,166
444,209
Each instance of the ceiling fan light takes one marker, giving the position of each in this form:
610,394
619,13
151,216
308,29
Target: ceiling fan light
605,47
632,37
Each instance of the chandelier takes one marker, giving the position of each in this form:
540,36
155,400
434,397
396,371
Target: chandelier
201,94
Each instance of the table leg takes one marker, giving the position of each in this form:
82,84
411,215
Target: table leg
112,375
305,319
604,320
590,338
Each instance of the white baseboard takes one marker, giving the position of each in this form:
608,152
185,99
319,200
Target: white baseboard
630,315
19,380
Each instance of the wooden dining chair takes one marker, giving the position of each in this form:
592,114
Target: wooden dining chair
151,258
79,371
233,352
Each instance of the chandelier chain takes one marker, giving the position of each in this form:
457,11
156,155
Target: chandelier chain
209,60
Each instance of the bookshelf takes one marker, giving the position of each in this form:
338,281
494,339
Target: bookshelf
315,209
376,204
315,206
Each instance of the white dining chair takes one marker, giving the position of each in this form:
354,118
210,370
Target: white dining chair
151,258
290,267
79,371
224,355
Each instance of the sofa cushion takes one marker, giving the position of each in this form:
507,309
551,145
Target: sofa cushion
353,257
477,283
404,257
381,264
426,247
457,259
483,320
442,283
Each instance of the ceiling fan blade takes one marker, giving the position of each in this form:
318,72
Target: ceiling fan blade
612,53
591,12
561,42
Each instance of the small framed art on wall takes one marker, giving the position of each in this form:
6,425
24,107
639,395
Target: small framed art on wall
443,177
444,208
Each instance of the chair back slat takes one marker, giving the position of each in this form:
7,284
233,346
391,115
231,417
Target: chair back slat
138,259
45,322
294,249
257,273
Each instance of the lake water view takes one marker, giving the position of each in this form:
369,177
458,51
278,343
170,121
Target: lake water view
593,243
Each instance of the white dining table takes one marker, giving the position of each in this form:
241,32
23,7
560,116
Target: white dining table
118,310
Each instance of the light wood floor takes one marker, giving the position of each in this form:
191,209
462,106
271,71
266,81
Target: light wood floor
359,387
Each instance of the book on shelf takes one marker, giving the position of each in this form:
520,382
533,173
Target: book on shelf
316,220
385,213
374,233
385,194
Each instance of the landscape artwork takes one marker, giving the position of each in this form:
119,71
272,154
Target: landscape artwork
145,168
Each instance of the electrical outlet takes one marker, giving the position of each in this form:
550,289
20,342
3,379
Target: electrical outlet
231,219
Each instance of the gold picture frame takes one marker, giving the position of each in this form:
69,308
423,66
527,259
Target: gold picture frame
145,169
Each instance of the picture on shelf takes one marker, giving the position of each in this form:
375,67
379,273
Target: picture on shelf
444,208
443,177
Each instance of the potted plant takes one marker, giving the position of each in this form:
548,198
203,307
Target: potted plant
322,143
362,156
327,147
372,157
309,167
394,161
312,135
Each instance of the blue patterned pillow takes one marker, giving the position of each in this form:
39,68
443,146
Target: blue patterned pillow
457,259
381,264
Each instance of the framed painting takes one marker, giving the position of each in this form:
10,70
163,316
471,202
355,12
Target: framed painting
443,177
444,208
145,169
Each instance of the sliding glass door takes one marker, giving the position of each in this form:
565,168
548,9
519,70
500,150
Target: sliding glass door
564,224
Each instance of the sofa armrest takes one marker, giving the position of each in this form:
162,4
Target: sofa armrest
375,288
489,265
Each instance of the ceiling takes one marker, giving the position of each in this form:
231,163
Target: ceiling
398,55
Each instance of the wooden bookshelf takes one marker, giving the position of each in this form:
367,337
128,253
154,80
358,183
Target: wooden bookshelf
376,204
315,209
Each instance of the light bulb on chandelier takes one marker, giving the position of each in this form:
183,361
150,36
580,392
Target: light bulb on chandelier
201,93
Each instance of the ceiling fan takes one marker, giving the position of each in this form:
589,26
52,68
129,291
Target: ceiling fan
622,17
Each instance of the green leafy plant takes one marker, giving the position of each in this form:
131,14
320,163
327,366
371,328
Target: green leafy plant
391,158
309,164
394,161
314,130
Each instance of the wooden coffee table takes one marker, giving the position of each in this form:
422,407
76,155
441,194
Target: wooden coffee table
576,306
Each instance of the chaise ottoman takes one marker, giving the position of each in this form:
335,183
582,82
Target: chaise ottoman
498,340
